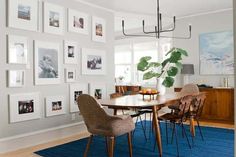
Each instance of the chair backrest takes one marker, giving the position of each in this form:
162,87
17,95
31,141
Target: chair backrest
184,105
115,95
189,89
198,104
93,113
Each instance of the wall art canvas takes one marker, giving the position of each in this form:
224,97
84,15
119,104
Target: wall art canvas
93,62
55,105
77,22
24,107
98,90
75,91
17,49
70,74
98,29
53,18
217,53
16,78
47,63
23,14
71,52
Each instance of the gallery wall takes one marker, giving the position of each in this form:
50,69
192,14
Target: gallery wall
8,129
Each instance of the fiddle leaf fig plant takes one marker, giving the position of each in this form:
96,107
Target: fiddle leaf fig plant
167,69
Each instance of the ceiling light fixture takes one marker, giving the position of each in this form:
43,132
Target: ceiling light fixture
157,29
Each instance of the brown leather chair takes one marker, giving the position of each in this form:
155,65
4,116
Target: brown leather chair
98,122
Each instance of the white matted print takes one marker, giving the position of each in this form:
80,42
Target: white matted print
98,90
55,105
53,18
17,49
77,22
75,91
70,74
47,62
16,78
93,62
71,52
98,29
23,14
24,107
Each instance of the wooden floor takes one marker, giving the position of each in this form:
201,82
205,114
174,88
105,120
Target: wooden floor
28,152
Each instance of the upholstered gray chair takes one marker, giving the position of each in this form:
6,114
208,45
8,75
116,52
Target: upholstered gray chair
98,122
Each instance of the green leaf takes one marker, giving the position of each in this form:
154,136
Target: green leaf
163,64
182,51
171,51
175,57
145,58
172,71
154,64
142,66
150,74
168,82
179,65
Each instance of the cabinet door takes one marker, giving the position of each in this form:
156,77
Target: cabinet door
210,109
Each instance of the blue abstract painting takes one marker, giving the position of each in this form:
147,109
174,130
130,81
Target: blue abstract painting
217,53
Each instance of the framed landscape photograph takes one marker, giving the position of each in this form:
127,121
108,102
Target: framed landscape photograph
98,29
23,14
75,91
24,107
71,52
53,18
93,62
98,90
17,49
55,105
77,22
70,74
47,63
16,78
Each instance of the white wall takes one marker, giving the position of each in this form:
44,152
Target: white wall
7,129
214,22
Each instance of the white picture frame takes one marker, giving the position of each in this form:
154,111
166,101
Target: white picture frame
98,90
17,49
55,105
93,62
54,19
98,29
76,90
70,75
16,78
24,107
23,14
77,22
71,52
47,63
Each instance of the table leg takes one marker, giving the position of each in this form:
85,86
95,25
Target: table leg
115,111
157,130
192,126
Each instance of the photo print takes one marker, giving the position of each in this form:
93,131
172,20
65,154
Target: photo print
97,90
94,62
98,29
54,19
70,74
26,106
55,105
76,95
71,52
24,12
77,22
16,78
98,93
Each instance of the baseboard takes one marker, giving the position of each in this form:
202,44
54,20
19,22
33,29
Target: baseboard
38,137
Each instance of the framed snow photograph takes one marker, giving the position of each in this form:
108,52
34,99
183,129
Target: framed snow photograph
24,107
23,14
70,74
98,29
17,49
75,91
53,18
93,62
16,78
71,52
55,105
47,63
98,90
77,22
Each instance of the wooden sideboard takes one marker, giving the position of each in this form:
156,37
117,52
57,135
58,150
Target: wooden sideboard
127,89
219,105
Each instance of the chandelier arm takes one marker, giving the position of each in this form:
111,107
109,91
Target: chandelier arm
157,30
189,37
145,32
172,29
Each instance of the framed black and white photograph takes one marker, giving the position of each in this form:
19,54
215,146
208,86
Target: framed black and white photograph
93,62
71,52
24,107
16,78
98,90
75,91
98,29
17,49
77,22
47,62
55,105
70,75
53,18
23,14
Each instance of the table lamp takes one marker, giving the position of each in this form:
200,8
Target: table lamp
187,70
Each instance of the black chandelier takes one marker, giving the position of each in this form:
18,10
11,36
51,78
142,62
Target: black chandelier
157,29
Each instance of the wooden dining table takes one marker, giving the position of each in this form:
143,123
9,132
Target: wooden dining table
137,102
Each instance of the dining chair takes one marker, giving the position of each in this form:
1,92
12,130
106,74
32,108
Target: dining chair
98,122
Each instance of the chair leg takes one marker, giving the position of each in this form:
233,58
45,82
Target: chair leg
144,132
88,145
198,125
135,126
186,135
176,139
182,125
107,146
130,144
172,135
166,133
111,146
150,128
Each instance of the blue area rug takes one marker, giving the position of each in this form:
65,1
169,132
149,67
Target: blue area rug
217,143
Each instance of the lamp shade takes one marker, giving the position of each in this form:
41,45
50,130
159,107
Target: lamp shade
187,69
